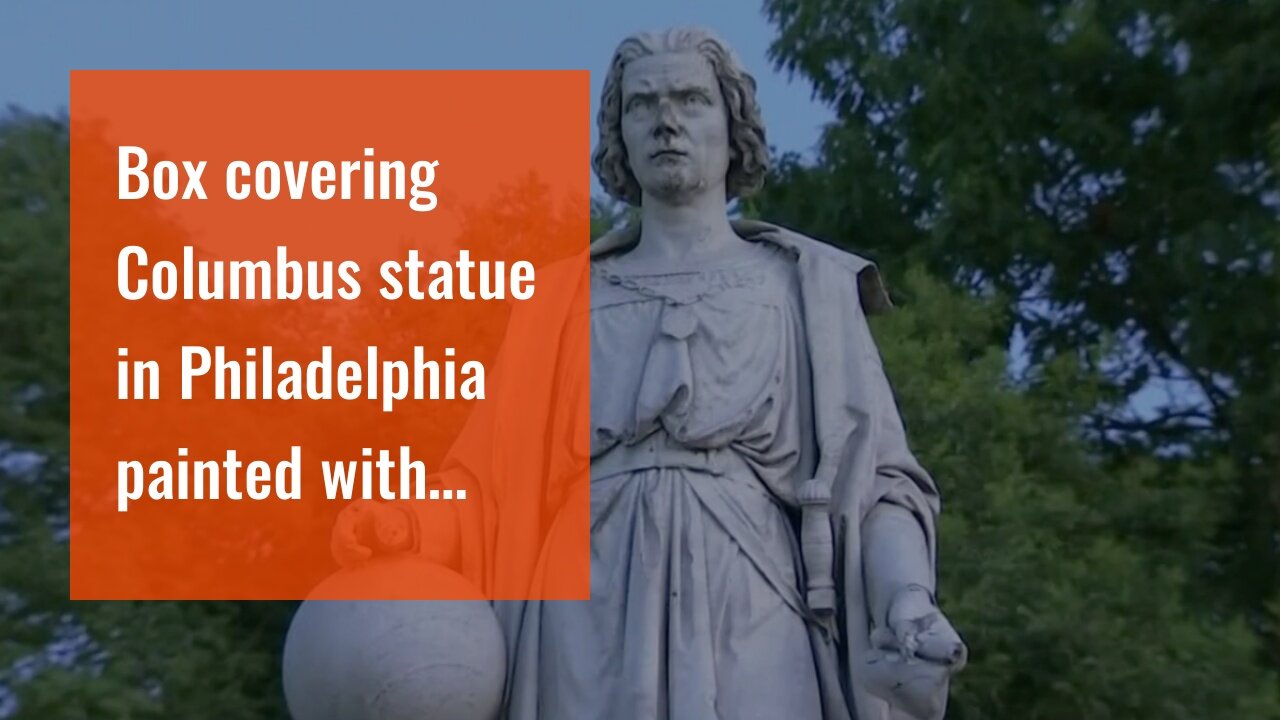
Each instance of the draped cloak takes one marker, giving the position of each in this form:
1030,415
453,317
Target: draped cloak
862,450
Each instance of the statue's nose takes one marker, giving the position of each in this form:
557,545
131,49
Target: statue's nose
666,123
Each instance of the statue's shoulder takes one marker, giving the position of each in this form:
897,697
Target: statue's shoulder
822,257
614,241
826,258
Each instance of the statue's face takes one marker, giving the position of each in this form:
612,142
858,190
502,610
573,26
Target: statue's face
675,125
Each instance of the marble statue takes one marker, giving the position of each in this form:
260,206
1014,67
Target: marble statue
763,540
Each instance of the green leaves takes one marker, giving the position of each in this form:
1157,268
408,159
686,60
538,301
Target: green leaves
1069,574
1086,139
87,661
34,191
1108,172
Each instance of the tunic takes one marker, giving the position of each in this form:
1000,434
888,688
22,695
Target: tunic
693,466
701,430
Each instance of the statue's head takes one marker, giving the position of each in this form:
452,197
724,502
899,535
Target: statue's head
678,117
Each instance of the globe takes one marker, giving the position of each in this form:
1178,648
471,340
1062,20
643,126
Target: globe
396,659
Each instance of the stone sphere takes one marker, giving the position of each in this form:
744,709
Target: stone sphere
394,659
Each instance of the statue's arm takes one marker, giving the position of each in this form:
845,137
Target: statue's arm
441,527
899,532
915,649
896,559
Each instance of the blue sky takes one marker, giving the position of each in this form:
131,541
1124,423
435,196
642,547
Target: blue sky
41,40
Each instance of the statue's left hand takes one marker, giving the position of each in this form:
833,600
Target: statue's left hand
914,657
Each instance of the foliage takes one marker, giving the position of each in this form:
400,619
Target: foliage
1104,165
61,660
1109,170
1062,570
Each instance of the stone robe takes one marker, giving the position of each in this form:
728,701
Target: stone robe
715,392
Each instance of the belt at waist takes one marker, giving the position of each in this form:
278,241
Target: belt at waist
723,500
659,450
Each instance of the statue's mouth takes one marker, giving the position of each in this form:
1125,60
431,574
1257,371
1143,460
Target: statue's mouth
669,152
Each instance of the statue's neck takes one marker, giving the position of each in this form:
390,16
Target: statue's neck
686,230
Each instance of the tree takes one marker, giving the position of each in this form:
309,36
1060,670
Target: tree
58,659
1068,612
1103,167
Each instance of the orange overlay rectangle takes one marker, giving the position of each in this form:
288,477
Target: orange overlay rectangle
318,311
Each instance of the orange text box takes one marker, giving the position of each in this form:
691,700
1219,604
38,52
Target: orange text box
278,277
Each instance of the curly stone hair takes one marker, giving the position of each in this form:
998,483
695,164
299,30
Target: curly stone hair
748,152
